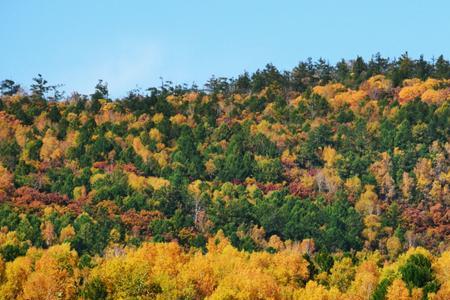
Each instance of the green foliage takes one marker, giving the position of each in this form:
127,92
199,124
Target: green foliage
417,272
381,290
95,289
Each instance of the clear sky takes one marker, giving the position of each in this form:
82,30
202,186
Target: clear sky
132,43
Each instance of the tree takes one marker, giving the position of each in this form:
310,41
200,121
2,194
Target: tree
187,155
359,69
403,69
40,86
342,274
416,272
9,87
397,291
54,275
238,163
101,90
6,183
95,289
441,68
368,201
343,227
302,76
366,279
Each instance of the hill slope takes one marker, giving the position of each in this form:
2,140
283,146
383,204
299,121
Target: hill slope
322,176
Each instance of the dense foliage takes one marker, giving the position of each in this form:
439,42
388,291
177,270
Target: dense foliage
325,182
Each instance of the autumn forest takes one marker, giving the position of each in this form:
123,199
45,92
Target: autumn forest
327,181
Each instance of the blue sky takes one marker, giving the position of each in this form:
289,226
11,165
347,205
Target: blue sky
132,43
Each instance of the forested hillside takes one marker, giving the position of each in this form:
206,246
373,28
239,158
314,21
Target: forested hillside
323,182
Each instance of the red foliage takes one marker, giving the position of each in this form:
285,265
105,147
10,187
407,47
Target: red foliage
31,198
100,165
130,168
77,205
296,188
436,219
138,221
268,187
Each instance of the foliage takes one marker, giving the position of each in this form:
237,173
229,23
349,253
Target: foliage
303,184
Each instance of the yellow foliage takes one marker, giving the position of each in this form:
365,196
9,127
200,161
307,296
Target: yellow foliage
436,96
443,293
415,88
351,97
353,185
54,275
190,97
247,284
67,233
407,185
381,170
376,85
210,167
366,280
140,182
308,181
330,156
424,175
162,158
372,226
41,121
6,182
330,90
442,267
51,147
342,274
178,119
155,134
397,291
315,291
275,242
288,158
140,149
79,192
195,188
96,177
393,246
139,271
368,200
16,273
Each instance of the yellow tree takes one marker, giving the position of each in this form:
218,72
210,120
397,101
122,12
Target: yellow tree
381,169
50,149
195,190
397,291
315,291
54,276
372,224
48,232
6,182
366,280
16,273
442,268
342,274
407,186
394,246
67,234
424,174
353,187
368,201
